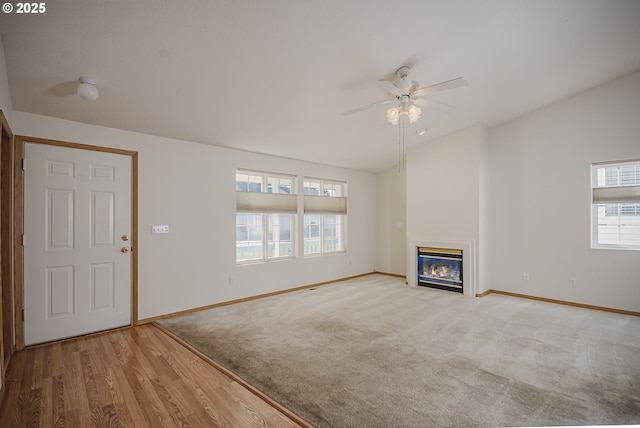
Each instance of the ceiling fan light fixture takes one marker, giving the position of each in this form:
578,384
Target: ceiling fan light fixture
87,88
393,115
414,112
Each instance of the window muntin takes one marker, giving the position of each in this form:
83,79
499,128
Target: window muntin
266,214
312,240
249,233
616,205
279,233
248,182
329,188
323,233
332,233
312,188
334,189
265,225
280,185
324,222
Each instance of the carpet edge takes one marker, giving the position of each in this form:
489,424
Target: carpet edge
288,413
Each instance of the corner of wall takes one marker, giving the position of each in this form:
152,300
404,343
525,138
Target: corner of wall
484,212
392,220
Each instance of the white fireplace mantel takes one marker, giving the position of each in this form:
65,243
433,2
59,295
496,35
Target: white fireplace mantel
469,260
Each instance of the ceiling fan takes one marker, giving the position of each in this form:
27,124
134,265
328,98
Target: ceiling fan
408,96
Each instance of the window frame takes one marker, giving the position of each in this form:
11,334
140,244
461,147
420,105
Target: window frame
610,201
245,207
326,189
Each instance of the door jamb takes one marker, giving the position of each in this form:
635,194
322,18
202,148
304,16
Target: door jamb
6,244
18,219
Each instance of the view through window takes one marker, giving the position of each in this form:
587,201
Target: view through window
616,205
267,216
264,222
324,219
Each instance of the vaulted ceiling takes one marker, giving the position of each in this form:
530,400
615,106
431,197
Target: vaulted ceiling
275,76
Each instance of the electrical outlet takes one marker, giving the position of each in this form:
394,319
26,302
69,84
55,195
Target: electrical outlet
572,281
230,280
157,229
525,276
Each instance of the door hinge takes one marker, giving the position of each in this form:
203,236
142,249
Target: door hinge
23,315
23,164
22,239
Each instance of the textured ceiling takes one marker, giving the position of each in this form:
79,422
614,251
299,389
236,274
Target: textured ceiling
275,76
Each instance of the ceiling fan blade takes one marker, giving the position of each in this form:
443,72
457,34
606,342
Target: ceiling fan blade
368,106
442,86
390,87
435,105
411,62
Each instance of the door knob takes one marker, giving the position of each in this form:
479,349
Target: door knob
124,249
124,237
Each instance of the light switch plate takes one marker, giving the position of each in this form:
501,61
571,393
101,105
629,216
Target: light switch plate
156,229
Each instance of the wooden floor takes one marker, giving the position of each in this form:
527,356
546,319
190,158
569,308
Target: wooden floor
133,377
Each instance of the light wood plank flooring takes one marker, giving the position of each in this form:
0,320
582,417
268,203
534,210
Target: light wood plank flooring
132,377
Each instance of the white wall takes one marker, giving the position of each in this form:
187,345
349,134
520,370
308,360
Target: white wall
392,233
446,179
5,94
191,187
540,198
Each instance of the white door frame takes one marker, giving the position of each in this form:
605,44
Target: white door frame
19,142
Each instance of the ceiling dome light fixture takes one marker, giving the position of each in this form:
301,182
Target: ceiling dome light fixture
87,88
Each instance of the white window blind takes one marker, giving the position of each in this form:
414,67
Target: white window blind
620,194
616,182
258,192
325,197
254,202
325,205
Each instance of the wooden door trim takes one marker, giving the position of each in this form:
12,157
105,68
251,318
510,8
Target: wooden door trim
19,142
6,260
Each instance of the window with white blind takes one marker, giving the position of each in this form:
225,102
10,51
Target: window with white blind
325,216
616,205
266,208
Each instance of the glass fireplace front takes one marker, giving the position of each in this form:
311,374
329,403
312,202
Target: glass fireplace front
440,268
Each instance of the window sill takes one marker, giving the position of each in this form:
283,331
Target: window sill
615,247
262,261
309,256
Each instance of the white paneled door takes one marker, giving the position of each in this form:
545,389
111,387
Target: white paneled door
77,228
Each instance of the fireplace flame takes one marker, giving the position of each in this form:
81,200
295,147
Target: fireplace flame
440,270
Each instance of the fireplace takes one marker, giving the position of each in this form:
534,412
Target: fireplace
440,268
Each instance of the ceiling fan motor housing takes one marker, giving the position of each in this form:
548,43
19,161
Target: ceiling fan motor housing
403,72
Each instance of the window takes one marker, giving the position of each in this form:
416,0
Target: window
616,205
325,209
266,207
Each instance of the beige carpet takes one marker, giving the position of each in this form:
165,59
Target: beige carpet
373,352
